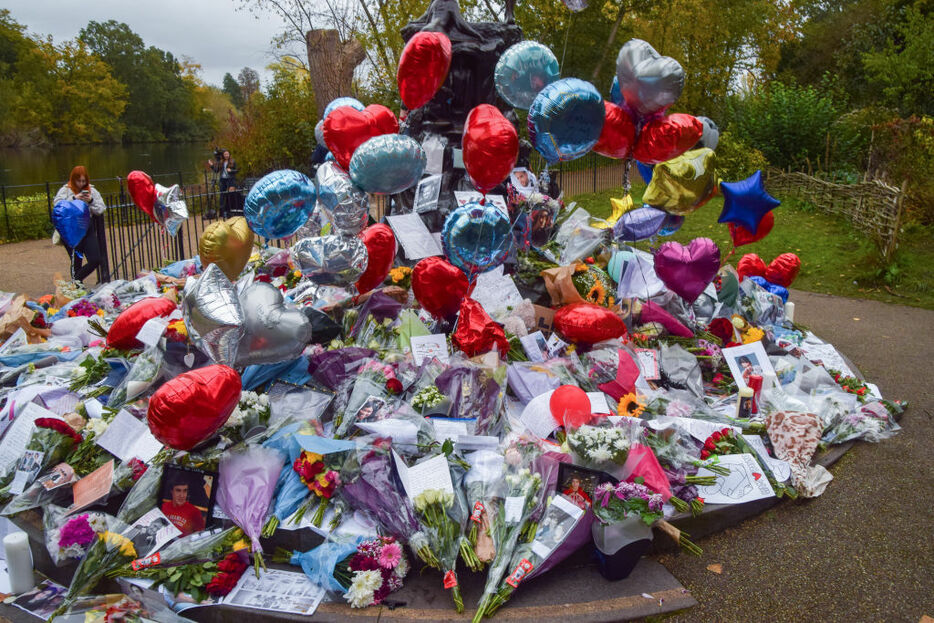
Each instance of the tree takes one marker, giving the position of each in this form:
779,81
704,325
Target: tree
232,89
248,80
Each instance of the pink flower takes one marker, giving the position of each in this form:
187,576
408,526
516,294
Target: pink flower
390,555
76,531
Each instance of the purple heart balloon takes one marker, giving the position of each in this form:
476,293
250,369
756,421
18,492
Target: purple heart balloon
687,270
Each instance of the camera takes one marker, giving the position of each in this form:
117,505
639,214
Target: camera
218,153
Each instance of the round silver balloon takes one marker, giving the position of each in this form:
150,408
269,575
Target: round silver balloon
711,137
334,260
319,132
313,225
342,203
648,81
170,209
273,330
388,164
523,70
213,315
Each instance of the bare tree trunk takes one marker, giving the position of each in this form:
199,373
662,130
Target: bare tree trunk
609,41
331,64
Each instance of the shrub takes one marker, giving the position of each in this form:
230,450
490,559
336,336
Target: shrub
903,150
736,160
25,218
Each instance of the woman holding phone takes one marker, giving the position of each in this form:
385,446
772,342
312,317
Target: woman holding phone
79,187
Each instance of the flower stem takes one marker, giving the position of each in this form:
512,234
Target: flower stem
458,600
319,512
270,526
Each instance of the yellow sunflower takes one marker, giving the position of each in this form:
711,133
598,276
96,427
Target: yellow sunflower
631,405
597,293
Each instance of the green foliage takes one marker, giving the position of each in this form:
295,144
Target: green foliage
25,218
903,150
232,89
736,160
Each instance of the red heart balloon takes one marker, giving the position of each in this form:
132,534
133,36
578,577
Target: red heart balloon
190,408
439,286
668,137
618,135
588,323
123,331
423,67
477,333
491,146
783,269
750,265
346,128
142,191
741,235
570,406
381,251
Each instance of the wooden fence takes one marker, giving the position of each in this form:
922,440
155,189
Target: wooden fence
874,207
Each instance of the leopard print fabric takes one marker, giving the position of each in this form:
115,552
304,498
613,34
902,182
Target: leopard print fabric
794,437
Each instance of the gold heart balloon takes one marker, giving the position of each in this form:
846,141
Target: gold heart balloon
228,244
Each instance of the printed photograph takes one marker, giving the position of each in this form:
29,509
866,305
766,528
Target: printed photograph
577,483
186,497
369,409
748,360
151,532
42,600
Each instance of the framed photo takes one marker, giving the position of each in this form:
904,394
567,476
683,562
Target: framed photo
524,181
297,402
150,532
577,483
186,497
535,346
427,193
747,360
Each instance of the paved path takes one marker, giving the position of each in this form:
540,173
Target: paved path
864,550
29,267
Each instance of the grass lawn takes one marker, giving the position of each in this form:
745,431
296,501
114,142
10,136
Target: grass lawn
835,258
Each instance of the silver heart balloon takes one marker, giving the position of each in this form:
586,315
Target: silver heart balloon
342,203
711,136
332,260
273,330
648,81
170,209
213,315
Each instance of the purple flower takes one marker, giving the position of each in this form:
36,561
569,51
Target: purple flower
76,531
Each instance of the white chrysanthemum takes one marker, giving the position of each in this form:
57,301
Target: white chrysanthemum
97,522
367,581
72,551
601,454
621,444
97,426
402,568
236,418
358,598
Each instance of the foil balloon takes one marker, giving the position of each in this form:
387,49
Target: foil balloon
491,147
71,219
476,237
566,119
638,224
189,409
122,333
570,406
750,265
313,225
279,203
381,251
213,316
645,171
616,96
439,287
273,330
476,332
575,5
740,235
344,205
346,128
142,191
783,270
228,244
586,323
337,102
771,288
683,184
319,132
671,225
618,135
648,81
666,138
423,67
746,202
711,137
686,270
523,70
331,260
388,164
170,209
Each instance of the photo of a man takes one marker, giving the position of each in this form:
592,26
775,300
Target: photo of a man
150,532
367,411
577,495
187,498
42,600
523,181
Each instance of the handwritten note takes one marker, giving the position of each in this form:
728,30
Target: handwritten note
598,403
431,474
19,434
426,347
127,437
537,416
648,363
152,331
448,428
414,236
744,483
463,197
497,293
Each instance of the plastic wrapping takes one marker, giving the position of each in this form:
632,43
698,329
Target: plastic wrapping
144,373
68,537
143,496
577,238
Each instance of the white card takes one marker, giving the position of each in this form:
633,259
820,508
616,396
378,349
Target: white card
598,403
535,346
497,293
127,437
431,474
152,331
745,483
19,433
94,408
556,345
648,363
536,416
447,428
780,469
414,236
426,347
512,508
434,153
463,197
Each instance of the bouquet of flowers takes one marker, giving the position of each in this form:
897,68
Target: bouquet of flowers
364,571
90,371
321,478
871,421
68,538
374,384
476,392
435,509
605,448
144,372
144,494
482,483
252,411
290,490
245,487
427,399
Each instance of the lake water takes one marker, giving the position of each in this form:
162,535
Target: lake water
37,166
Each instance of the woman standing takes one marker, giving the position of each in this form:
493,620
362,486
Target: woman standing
227,168
79,187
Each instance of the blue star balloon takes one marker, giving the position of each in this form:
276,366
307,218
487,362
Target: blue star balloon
772,288
645,171
279,203
746,202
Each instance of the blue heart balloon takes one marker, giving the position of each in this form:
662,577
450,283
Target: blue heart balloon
523,70
566,119
672,223
772,288
71,219
476,238
639,224
342,101
279,203
387,164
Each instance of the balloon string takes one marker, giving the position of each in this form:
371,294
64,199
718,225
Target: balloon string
566,33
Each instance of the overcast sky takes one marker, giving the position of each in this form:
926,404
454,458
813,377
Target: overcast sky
213,32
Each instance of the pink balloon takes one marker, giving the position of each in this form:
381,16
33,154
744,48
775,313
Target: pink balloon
686,271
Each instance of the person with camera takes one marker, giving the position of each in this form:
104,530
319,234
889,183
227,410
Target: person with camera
86,255
226,169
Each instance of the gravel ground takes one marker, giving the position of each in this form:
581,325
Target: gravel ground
863,550
29,267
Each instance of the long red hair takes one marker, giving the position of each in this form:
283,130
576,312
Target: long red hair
78,171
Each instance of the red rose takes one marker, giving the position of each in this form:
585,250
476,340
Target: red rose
588,260
704,455
722,328
278,271
709,445
394,386
263,278
726,432
716,436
